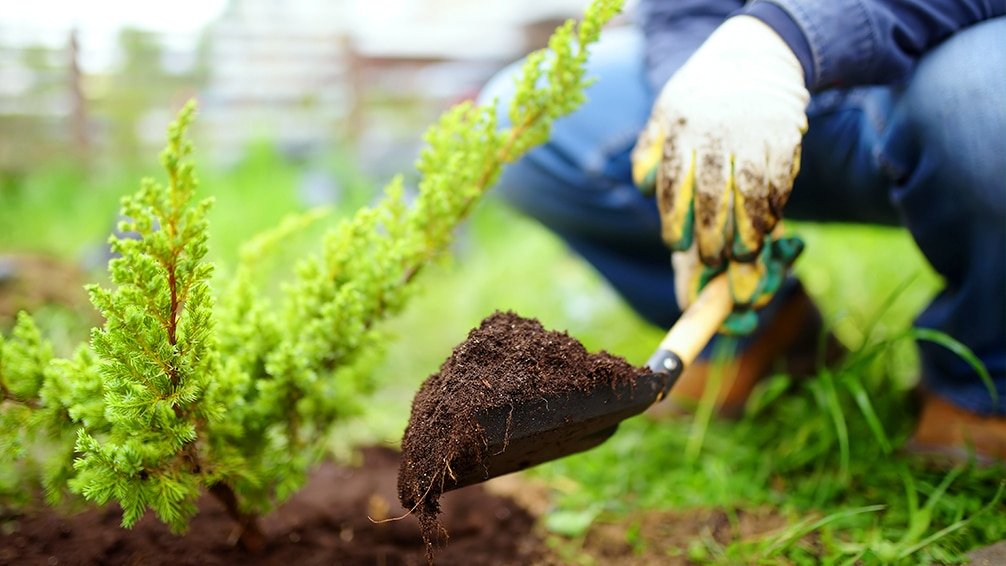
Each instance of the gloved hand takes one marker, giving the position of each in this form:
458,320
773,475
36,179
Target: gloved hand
721,150
757,280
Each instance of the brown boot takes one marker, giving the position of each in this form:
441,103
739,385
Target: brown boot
789,343
950,434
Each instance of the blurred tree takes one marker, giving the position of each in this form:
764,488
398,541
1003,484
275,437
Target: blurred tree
79,122
31,121
138,85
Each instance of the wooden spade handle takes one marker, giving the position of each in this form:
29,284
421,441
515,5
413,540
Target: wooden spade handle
700,321
696,327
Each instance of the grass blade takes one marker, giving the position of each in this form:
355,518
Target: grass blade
862,399
962,351
886,306
723,351
805,527
834,408
952,527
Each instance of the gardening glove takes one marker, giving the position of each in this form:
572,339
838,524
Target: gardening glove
756,281
722,147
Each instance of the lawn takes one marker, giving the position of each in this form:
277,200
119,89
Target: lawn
816,463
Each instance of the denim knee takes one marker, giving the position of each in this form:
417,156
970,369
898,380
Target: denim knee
955,105
945,152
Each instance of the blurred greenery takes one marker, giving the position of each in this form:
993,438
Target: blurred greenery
821,451
68,212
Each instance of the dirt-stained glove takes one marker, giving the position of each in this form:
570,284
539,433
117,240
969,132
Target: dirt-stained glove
722,147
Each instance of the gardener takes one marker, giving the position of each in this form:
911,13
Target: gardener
900,109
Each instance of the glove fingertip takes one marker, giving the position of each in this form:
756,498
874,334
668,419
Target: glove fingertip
683,240
646,158
646,182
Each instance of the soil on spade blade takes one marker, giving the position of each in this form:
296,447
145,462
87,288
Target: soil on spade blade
508,360
325,523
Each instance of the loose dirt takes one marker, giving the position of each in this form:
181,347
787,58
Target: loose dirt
325,523
508,360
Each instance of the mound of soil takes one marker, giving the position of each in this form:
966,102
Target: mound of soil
507,361
325,523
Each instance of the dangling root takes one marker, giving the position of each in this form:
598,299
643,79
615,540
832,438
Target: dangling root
419,502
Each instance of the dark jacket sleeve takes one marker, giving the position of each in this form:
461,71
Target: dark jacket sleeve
674,29
843,43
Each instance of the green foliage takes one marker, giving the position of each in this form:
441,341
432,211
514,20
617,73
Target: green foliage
564,74
157,351
36,432
71,399
179,391
23,358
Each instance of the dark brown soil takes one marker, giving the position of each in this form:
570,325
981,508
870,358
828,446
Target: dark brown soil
508,360
325,523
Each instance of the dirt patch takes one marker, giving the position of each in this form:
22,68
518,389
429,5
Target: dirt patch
507,361
666,538
325,523
28,282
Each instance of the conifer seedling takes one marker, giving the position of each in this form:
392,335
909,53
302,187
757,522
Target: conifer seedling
187,388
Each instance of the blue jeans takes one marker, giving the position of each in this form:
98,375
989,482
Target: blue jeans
929,154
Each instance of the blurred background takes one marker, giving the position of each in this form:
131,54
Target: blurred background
302,103
98,81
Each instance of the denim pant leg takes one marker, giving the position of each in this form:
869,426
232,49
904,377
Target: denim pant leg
946,150
579,184
929,155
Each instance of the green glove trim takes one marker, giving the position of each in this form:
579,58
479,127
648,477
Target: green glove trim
778,255
740,323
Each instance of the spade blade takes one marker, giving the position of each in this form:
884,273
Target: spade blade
521,436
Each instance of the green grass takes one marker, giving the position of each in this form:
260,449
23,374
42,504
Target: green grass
68,212
823,452
60,210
